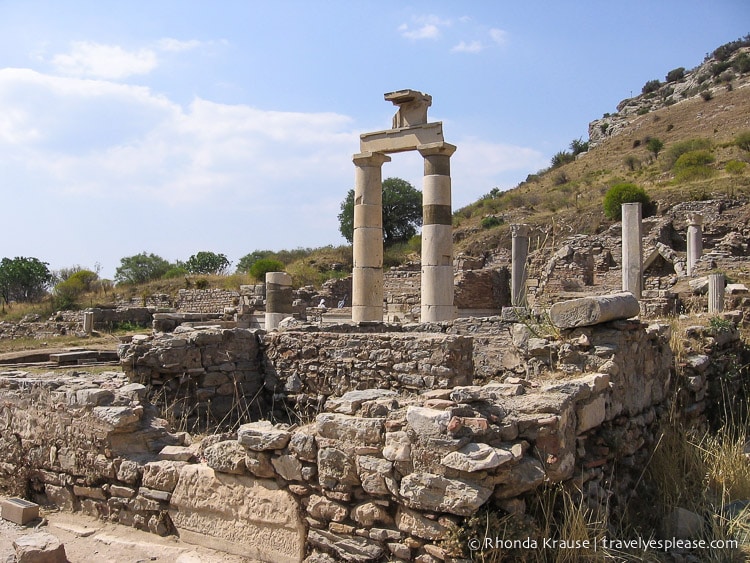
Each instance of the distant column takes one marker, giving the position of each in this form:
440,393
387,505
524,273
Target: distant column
88,322
519,255
278,298
715,293
367,273
694,241
437,233
632,265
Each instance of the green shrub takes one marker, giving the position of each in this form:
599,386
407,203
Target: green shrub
654,146
562,157
675,150
743,140
650,86
707,95
735,167
175,272
201,283
676,74
693,165
261,267
741,63
625,193
491,221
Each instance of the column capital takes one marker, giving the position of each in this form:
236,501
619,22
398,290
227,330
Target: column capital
440,148
519,230
694,219
370,159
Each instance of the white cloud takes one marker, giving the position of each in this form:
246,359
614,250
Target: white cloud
111,62
499,36
176,46
428,27
471,47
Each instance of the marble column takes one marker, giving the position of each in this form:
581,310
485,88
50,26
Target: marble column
437,234
632,252
278,298
694,241
715,293
367,273
519,255
88,322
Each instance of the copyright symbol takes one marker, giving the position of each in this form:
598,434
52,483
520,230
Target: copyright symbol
474,544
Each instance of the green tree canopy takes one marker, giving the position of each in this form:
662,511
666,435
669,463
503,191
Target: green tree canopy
141,268
261,267
205,262
23,279
402,212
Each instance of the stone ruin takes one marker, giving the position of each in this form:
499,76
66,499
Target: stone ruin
369,440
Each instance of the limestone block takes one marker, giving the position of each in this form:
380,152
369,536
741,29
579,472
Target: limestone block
242,515
288,467
260,436
162,475
39,547
350,432
427,422
129,472
683,524
524,476
351,401
325,509
227,457
416,524
176,453
376,475
302,443
18,510
593,310
368,513
259,464
476,457
336,470
119,418
427,491
591,414
346,548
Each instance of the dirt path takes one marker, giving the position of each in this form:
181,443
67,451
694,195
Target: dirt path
88,540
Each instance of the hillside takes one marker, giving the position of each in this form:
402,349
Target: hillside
567,199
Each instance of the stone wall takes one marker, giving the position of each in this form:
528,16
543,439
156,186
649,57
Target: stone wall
385,467
206,300
201,377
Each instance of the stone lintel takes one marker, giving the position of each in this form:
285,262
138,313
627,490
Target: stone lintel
440,148
370,158
402,139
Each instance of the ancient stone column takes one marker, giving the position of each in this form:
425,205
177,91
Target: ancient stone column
437,233
88,322
367,274
278,298
519,255
694,241
715,293
632,271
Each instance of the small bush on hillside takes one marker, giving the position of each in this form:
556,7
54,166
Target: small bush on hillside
625,193
175,272
491,221
650,86
632,163
562,157
675,150
693,165
735,167
676,74
654,146
743,140
707,95
741,63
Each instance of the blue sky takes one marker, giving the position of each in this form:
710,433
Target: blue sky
179,126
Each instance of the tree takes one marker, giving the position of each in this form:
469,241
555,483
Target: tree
261,267
676,74
244,264
23,279
402,212
654,146
141,268
650,86
207,263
